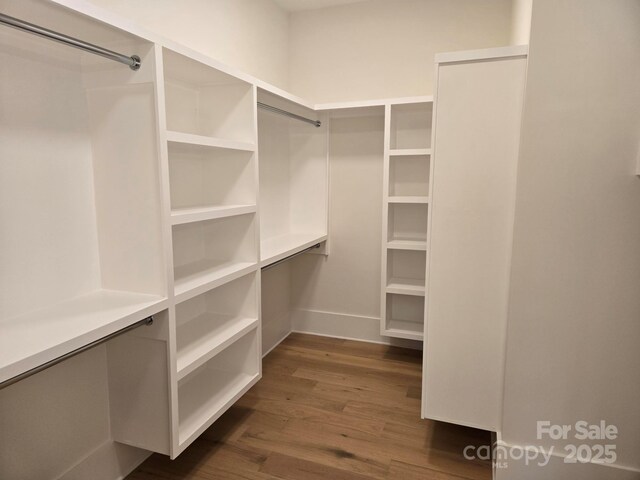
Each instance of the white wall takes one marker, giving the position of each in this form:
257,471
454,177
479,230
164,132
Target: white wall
251,35
381,48
573,348
339,295
348,280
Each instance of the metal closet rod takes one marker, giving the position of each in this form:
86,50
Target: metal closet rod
73,353
264,106
133,61
313,247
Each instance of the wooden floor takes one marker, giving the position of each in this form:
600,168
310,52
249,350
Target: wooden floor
328,409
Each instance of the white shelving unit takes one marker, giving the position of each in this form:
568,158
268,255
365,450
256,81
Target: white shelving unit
406,198
211,176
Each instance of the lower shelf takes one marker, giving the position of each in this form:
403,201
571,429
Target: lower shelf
404,329
404,317
210,390
276,248
36,338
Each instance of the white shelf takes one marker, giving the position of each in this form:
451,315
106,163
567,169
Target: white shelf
33,339
198,277
415,245
403,329
373,103
198,342
205,406
408,152
180,216
204,141
409,199
406,286
277,248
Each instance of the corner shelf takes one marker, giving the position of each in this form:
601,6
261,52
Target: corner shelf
282,246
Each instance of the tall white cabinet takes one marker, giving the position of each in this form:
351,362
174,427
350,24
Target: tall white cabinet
478,107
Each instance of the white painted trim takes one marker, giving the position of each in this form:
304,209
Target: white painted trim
110,461
483,54
345,326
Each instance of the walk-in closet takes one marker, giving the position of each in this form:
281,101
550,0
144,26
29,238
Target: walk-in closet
341,239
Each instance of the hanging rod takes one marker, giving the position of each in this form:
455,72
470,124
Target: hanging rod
133,61
73,353
266,267
264,106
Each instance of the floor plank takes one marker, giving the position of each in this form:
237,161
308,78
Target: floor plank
328,408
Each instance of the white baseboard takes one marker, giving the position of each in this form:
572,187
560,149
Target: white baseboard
558,469
110,461
342,325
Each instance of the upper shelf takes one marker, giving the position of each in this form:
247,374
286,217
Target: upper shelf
199,214
36,338
409,199
205,141
280,247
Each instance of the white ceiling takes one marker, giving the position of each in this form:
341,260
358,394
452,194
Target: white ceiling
297,5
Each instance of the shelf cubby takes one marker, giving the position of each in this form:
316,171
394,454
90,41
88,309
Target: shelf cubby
411,126
409,176
214,181
208,323
406,272
202,100
407,222
82,253
211,389
404,316
209,253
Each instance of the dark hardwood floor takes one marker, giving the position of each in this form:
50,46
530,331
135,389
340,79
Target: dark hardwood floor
328,409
